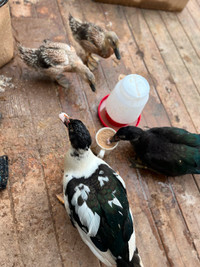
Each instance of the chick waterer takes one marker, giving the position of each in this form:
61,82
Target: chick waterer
125,103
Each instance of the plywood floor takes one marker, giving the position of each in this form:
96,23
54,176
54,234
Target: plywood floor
165,49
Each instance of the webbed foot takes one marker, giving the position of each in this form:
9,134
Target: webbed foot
63,81
138,165
60,198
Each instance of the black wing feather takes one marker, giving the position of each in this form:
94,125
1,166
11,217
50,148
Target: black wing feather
116,226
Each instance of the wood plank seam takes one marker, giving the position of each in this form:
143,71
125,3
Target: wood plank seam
44,179
197,3
15,220
188,35
182,215
171,76
47,192
142,187
198,187
144,62
153,216
146,188
183,61
180,210
86,100
51,212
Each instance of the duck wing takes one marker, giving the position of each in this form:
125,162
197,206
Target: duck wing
174,159
48,55
52,57
89,47
90,37
91,33
57,45
177,135
99,206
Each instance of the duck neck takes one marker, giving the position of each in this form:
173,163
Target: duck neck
78,158
106,50
79,154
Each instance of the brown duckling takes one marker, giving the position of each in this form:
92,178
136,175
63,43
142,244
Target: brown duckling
55,59
94,40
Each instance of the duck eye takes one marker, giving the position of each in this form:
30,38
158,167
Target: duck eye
113,43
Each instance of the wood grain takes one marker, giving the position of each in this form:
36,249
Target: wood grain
162,47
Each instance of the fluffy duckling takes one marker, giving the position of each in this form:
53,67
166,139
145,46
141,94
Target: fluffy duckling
96,200
94,40
55,59
167,150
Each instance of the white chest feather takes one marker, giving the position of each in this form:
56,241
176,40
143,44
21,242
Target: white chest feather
77,167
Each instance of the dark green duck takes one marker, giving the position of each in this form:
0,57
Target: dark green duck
167,150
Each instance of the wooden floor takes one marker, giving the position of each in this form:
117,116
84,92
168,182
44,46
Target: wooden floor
161,46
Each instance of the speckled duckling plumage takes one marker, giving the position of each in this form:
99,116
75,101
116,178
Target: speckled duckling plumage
94,39
55,59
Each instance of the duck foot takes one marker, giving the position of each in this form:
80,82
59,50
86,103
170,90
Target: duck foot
60,198
92,63
63,81
137,165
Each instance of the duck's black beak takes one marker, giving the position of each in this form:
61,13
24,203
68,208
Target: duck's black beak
64,118
117,54
115,138
92,86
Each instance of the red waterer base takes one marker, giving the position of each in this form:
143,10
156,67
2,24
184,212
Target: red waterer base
106,119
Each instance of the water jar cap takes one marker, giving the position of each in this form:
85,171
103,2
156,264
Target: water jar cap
135,86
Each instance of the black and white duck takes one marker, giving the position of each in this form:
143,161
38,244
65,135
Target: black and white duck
167,150
96,200
94,40
54,59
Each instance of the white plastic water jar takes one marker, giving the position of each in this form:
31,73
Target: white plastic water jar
127,100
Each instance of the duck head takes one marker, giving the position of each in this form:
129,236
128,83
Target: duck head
79,135
113,41
128,133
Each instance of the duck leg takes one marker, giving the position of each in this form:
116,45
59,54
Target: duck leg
62,80
137,164
60,198
92,62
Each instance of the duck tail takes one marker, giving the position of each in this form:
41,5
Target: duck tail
74,24
135,262
28,55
